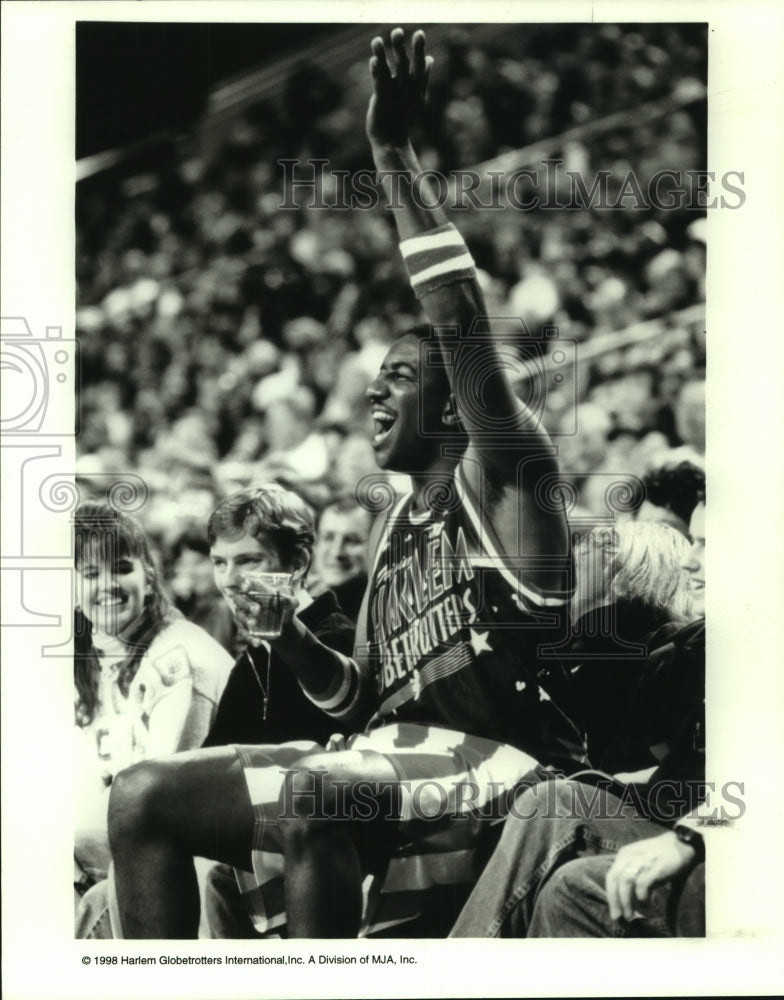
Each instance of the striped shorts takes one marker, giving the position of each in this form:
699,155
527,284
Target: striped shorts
453,789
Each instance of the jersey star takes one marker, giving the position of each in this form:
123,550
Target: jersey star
479,642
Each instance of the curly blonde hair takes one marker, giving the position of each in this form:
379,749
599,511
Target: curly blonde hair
645,563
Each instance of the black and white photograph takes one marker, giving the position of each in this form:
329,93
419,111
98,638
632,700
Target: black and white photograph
365,376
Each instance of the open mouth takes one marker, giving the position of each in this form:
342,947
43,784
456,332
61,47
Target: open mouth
383,421
111,602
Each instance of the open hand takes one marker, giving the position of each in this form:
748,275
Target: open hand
638,867
397,96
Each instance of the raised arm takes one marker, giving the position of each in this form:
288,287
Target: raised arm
440,266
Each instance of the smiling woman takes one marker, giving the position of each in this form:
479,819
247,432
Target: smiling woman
112,592
146,681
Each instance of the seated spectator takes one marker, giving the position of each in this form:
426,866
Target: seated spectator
671,494
270,529
273,528
579,861
265,529
195,593
631,592
340,553
147,682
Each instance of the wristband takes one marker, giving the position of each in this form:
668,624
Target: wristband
436,258
693,838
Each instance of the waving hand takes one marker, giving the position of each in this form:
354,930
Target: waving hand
399,88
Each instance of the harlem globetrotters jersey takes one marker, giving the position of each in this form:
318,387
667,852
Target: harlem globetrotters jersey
454,631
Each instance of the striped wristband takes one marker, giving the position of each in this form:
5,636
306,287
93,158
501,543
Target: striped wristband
438,257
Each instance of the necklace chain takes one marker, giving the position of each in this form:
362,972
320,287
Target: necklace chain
265,691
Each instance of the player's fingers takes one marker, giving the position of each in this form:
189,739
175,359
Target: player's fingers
418,56
398,39
426,76
381,72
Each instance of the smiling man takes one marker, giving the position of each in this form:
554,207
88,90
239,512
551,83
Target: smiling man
340,553
446,691
258,530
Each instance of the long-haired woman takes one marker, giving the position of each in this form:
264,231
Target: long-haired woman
146,681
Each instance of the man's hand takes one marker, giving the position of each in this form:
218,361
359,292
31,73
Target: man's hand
396,99
639,867
247,612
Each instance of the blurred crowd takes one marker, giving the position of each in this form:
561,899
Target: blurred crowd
225,341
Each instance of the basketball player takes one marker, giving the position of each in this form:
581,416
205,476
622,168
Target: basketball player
469,577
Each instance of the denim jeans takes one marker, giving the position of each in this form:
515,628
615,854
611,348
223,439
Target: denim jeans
98,915
92,915
573,903
546,877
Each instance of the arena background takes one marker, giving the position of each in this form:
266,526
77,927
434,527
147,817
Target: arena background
224,340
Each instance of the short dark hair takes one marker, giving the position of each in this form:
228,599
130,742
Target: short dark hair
680,488
424,331
191,541
281,515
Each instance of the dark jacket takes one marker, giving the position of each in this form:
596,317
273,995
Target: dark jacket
611,646
350,594
291,715
667,709
660,722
